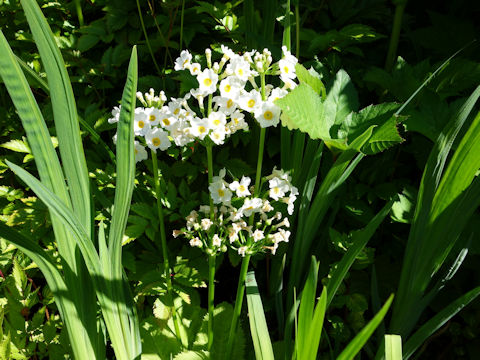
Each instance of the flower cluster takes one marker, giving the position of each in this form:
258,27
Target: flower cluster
231,87
248,224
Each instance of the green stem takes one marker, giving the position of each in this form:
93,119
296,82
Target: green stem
211,296
211,258
181,24
297,29
146,38
78,7
163,238
395,36
261,143
238,305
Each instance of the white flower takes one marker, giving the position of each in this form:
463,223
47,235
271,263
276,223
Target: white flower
175,106
216,241
267,207
205,224
195,69
278,188
228,52
227,104
140,152
196,242
157,138
241,188
218,135
237,122
166,118
183,60
230,87
219,192
250,101
115,115
268,114
241,250
251,206
276,94
216,120
289,83
199,128
240,68
258,235
153,115
207,80
140,125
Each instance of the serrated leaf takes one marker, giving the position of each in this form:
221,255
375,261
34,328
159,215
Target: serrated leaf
17,145
303,109
310,77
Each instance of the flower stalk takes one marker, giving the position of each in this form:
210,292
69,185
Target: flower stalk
163,239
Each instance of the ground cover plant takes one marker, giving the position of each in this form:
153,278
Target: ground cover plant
238,180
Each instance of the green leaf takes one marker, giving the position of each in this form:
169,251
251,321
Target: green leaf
354,346
341,99
312,78
436,322
193,355
360,239
17,145
258,324
303,109
393,347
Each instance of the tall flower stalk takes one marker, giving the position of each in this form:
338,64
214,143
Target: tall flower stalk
163,239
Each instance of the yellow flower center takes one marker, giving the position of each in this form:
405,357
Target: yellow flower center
216,122
268,115
152,118
240,71
221,193
201,129
276,190
141,124
156,142
241,188
177,110
251,103
227,88
136,151
166,122
286,69
229,103
207,82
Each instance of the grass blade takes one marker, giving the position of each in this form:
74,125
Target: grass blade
354,347
393,347
435,323
258,324
360,239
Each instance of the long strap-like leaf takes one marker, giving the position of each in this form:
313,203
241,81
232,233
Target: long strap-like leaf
64,111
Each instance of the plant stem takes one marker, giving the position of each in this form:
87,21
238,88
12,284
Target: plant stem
397,26
238,305
181,24
163,238
146,39
211,296
211,258
261,143
297,30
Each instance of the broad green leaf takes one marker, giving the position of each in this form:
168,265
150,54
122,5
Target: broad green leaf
303,109
382,116
193,355
393,347
436,322
258,324
341,100
354,346
312,78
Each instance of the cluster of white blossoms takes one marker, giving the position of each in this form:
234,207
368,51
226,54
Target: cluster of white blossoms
232,88
235,208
